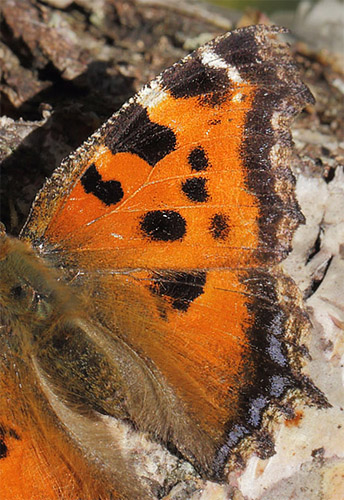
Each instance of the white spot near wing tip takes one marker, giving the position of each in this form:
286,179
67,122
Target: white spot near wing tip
118,236
151,95
212,60
233,74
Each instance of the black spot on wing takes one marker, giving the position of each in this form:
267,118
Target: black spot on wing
195,189
134,132
109,192
198,159
3,447
219,226
215,121
5,432
181,288
192,78
163,225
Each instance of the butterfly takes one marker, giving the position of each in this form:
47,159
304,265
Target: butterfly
144,295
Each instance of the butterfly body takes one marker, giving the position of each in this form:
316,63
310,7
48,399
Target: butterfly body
146,286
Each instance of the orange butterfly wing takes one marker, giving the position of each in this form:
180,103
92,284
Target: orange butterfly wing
185,200
169,222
